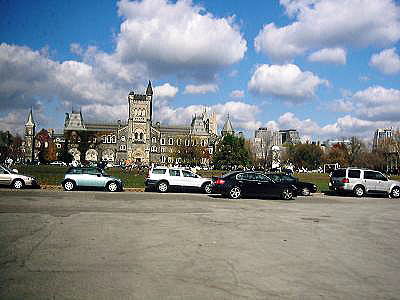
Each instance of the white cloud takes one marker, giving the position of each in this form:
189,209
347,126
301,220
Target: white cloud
287,82
179,38
237,94
377,104
329,55
340,105
242,115
201,89
330,23
387,61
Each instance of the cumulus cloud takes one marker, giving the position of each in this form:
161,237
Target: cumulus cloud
328,24
28,78
387,61
329,55
177,37
286,82
201,89
242,115
237,94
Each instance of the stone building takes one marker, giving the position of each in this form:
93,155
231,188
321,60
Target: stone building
138,141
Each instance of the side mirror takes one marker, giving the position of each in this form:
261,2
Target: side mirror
15,171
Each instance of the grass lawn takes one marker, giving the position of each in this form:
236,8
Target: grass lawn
53,175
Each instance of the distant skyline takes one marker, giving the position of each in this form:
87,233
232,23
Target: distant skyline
328,68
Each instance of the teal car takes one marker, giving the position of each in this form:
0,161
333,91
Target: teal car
92,177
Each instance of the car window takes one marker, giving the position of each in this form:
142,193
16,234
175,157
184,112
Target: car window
75,171
245,176
339,173
289,178
189,174
92,171
380,176
275,177
159,171
174,173
2,171
262,177
369,175
354,173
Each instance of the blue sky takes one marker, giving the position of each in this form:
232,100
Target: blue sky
329,68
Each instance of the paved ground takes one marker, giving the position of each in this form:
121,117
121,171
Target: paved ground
95,245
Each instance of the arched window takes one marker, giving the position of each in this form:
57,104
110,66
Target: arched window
154,140
136,136
141,135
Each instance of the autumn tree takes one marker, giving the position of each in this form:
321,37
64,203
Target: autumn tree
231,152
305,155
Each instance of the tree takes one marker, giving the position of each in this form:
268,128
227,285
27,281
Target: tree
231,153
337,154
354,150
305,155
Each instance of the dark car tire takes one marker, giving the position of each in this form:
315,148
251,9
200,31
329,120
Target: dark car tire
287,194
207,188
235,192
69,185
359,191
112,186
162,187
18,184
305,191
395,193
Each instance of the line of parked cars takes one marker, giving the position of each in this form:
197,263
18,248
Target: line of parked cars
234,185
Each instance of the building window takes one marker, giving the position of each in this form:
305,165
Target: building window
203,143
194,142
122,147
187,142
162,159
179,142
162,149
136,135
153,149
210,150
58,146
170,159
123,138
162,141
141,136
154,140
113,139
170,141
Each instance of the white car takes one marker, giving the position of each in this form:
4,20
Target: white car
165,179
17,181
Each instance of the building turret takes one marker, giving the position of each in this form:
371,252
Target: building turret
228,128
149,90
30,127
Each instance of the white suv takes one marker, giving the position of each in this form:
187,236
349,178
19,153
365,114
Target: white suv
165,178
362,181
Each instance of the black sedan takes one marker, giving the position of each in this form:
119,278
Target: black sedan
245,183
304,188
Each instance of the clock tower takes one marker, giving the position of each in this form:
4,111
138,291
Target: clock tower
30,138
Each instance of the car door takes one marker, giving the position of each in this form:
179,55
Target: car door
175,177
247,183
370,181
5,176
191,180
271,184
382,183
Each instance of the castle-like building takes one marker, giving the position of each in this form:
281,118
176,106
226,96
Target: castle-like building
137,141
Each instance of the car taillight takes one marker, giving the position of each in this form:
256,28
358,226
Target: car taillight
345,180
219,181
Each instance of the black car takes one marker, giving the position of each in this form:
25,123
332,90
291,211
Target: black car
304,188
240,183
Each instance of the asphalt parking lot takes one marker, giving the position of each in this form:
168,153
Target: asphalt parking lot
97,245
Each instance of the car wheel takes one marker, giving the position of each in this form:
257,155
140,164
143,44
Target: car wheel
359,191
18,184
287,194
395,193
162,187
207,188
69,185
305,191
112,186
235,193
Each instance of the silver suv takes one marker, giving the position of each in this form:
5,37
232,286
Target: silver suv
363,181
165,179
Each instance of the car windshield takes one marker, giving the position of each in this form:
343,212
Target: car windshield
9,170
228,174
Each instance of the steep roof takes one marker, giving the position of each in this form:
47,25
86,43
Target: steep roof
149,90
228,128
30,121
